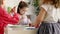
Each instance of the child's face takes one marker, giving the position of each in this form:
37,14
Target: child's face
23,10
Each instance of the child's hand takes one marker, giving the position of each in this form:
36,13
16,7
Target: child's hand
34,25
13,9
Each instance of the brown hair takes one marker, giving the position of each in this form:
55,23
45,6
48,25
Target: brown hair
21,5
56,3
0,2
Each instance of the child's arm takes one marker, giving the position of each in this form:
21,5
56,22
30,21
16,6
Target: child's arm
40,17
29,22
6,18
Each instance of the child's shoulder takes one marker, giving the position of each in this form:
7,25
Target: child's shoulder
47,6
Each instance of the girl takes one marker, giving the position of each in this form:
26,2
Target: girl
48,17
5,18
22,8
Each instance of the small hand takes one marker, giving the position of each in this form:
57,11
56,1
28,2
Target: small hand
34,25
13,9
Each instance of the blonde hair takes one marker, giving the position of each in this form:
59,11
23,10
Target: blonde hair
56,3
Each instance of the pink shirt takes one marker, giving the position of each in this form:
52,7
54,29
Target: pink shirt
5,19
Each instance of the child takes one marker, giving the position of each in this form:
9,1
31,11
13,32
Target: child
5,18
48,17
22,8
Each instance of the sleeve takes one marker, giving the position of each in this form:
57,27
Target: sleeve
7,18
29,21
44,7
